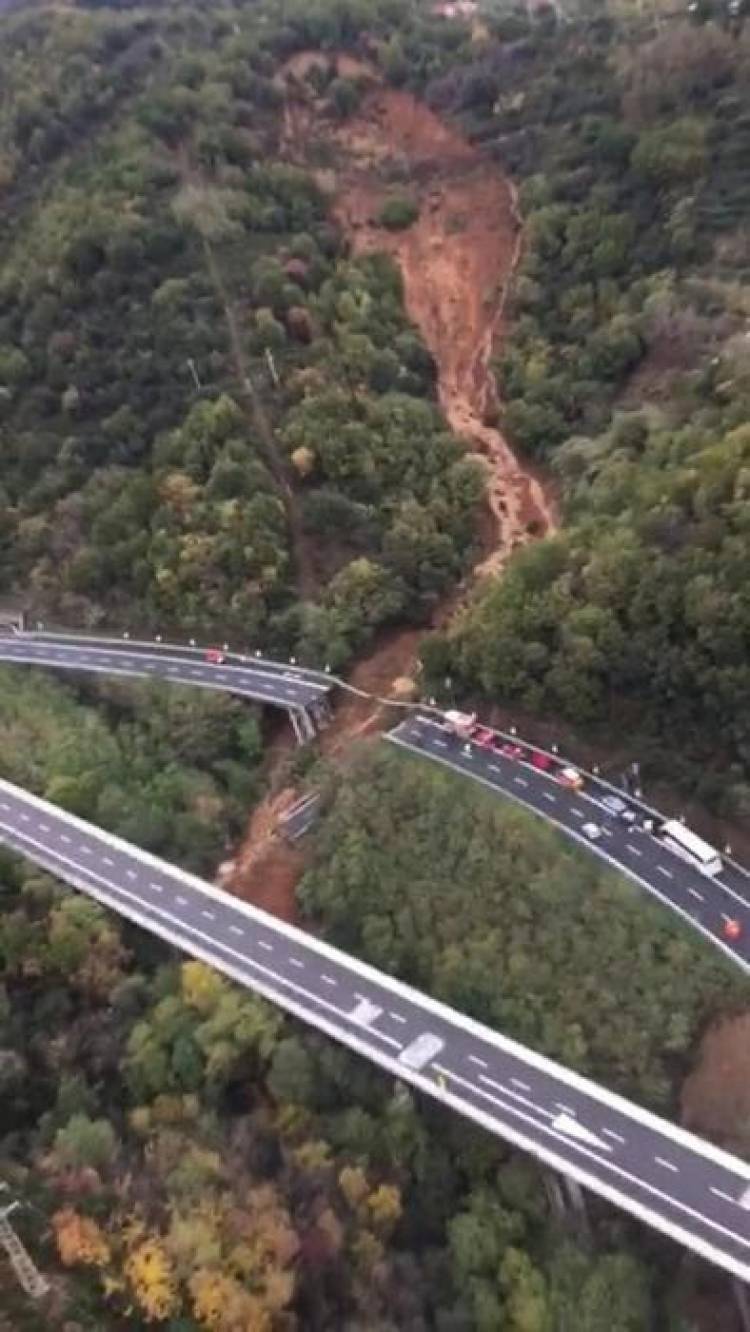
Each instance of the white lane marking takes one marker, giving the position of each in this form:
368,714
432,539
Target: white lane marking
694,893
132,874
108,861
295,962
175,930
667,873
44,827
4,804
578,813
267,947
494,767
725,917
85,849
181,901
64,838
329,980
606,1161
157,887
523,1085
668,1165
566,1109
610,1133
364,1012
634,850
210,915
397,1017
441,744
721,1194
236,929
573,1128
481,1062
520,781
547,795
26,817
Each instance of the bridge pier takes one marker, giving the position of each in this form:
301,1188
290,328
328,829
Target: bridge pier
568,1203
303,725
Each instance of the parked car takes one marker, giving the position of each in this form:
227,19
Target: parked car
614,804
541,761
510,751
592,831
732,930
570,777
215,656
483,736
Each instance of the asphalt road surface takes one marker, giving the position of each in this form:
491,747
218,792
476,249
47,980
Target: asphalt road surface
706,902
666,1177
258,679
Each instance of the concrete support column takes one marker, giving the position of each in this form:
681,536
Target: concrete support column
294,719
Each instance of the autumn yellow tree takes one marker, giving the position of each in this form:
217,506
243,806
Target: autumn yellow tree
149,1270
221,1304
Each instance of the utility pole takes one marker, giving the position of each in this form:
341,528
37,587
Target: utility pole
21,1261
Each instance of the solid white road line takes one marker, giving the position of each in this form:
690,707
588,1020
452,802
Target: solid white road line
604,1162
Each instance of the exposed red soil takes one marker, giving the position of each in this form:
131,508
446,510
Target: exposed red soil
716,1096
457,262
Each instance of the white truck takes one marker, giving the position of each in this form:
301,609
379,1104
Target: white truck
460,723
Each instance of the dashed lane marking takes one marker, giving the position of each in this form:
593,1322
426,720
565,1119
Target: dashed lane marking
25,816
210,915
295,962
328,980
520,781
86,850
108,861
610,1133
157,887
267,947
634,850
181,901
668,1165
236,929
132,874
481,1062
694,893
667,873
64,838
523,1085
727,1197
495,767
547,795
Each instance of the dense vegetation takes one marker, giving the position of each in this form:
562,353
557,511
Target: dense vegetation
209,418
430,878
205,1163
212,418
636,257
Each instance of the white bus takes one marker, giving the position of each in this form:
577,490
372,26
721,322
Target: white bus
690,847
